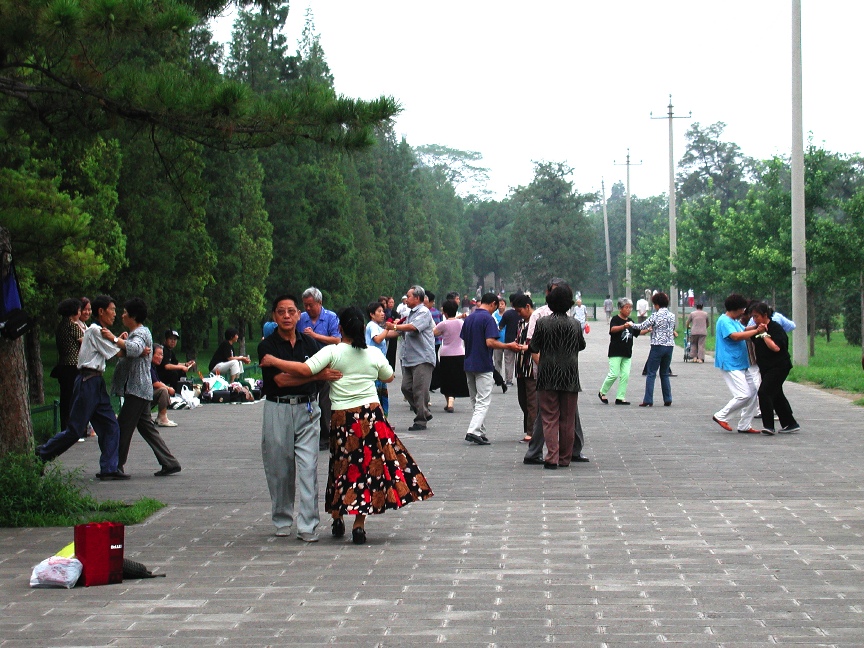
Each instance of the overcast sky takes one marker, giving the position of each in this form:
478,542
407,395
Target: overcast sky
575,81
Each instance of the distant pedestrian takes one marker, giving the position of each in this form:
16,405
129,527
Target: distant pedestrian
608,306
698,323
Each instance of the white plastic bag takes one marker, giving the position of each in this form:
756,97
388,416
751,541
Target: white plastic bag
56,572
188,395
216,382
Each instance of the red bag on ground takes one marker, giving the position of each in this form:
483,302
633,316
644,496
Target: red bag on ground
587,328
99,547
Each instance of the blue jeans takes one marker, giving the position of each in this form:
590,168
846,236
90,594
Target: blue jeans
90,402
660,357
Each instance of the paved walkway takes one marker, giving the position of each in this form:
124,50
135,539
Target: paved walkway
677,531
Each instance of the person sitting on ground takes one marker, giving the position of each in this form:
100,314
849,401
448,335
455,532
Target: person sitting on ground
162,392
224,361
170,371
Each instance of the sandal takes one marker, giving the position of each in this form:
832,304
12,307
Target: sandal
603,398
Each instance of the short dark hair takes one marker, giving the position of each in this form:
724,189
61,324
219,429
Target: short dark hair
284,297
514,295
351,321
449,308
101,302
735,302
231,332
69,307
489,298
763,309
521,301
431,296
136,309
560,299
452,295
554,281
661,299
371,307
699,305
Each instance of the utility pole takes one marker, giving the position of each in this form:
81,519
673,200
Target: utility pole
800,351
673,230
611,290
628,252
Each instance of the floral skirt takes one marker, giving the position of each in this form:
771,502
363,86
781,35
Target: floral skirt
370,469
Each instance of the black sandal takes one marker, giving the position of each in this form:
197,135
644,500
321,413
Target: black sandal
603,398
358,535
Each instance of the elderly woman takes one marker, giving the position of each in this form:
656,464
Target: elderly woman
772,356
454,383
620,353
370,469
68,337
663,334
555,347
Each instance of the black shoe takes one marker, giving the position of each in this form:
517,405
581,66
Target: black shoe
621,402
417,428
533,462
504,388
167,471
112,476
479,440
789,429
671,375
646,404
550,466
428,417
358,535
338,529
667,404
580,458
768,431
602,398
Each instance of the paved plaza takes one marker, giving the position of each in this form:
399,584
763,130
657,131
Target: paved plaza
676,532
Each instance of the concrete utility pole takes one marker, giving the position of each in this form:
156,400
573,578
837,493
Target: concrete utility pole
628,252
800,351
608,249
673,231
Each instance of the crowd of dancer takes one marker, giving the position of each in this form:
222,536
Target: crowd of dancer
326,376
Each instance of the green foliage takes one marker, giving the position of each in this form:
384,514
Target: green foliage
36,494
554,232
852,318
835,365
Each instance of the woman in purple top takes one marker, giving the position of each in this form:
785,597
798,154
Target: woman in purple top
451,356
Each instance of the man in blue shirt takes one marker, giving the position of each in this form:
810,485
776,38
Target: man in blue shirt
731,356
480,334
321,325
418,355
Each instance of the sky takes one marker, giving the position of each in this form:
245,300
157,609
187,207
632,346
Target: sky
576,81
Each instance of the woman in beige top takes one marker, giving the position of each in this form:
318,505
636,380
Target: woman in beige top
697,324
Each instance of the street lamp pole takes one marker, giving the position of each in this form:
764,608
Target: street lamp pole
673,231
611,290
628,251
800,351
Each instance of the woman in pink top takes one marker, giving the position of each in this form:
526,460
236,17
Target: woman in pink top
451,356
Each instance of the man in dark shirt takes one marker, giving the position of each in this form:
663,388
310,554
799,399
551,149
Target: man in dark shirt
480,334
509,323
170,371
289,433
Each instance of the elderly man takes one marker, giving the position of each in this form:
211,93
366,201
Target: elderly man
90,400
162,392
480,334
290,422
321,325
418,355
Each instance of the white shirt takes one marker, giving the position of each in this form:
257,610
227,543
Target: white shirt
95,350
642,307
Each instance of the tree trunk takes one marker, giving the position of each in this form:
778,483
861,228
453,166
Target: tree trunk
241,326
16,428
33,355
811,322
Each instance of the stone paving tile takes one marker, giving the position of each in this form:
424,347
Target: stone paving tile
675,532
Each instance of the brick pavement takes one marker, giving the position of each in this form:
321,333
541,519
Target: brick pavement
677,531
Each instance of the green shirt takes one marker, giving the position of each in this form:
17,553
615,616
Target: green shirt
360,369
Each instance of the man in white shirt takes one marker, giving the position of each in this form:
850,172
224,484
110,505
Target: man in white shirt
91,402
